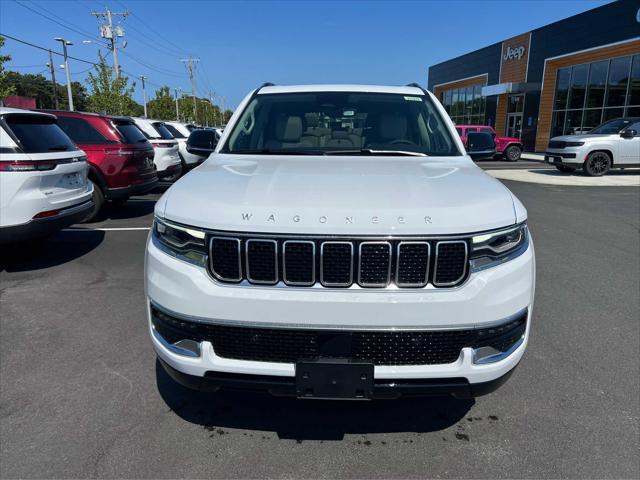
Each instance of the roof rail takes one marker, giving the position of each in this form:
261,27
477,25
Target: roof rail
265,84
417,85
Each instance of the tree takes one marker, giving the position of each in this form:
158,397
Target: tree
110,94
6,88
40,88
162,107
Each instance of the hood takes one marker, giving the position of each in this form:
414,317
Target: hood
581,138
339,195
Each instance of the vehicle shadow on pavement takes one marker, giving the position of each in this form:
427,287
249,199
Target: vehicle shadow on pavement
60,248
295,419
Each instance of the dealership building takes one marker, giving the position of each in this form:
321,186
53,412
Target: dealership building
566,77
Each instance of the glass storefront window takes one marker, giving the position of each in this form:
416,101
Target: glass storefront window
562,88
618,81
583,90
597,84
557,124
578,86
466,106
573,123
634,85
611,113
516,104
592,118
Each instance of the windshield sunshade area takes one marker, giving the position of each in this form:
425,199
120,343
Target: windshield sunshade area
341,123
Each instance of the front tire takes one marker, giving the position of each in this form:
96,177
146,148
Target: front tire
597,164
512,153
565,169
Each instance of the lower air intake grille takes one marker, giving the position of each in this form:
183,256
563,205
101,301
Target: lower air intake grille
378,347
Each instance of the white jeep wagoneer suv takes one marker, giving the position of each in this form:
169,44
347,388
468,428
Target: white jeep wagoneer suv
339,243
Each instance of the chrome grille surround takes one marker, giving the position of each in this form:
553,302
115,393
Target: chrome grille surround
262,281
426,269
364,283
284,263
437,262
323,281
398,263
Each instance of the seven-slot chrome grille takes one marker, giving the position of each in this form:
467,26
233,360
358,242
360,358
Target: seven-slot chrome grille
337,262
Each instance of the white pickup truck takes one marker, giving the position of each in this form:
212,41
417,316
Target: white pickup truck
614,144
339,242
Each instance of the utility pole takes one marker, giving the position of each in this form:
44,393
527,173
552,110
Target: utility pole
177,110
144,95
111,33
189,62
52,69
65,43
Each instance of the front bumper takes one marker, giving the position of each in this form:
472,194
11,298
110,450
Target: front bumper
487,297
570,157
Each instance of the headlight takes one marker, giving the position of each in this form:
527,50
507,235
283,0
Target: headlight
494,248
185,243
574,144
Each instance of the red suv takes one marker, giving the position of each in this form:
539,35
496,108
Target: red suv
507,147
120,157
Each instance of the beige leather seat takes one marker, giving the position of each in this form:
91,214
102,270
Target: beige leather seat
287,133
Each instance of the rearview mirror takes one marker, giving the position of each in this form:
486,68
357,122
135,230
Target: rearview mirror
628,133
202,142
480,146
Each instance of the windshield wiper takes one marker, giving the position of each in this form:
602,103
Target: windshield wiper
58,148
370,151
275,151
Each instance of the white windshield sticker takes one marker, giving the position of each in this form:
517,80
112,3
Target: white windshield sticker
413,99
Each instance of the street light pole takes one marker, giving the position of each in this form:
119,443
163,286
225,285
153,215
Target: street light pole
144,95
52,69
65,43
177,110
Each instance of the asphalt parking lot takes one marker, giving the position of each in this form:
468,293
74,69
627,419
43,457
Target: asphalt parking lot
82,396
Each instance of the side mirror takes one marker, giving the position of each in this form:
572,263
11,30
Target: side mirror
628,133
480,146
202,142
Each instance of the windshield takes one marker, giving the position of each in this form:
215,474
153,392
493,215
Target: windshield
612,126
340,122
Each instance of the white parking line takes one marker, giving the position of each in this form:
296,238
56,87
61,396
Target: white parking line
108,229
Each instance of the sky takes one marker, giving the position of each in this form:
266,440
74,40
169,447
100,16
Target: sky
242,44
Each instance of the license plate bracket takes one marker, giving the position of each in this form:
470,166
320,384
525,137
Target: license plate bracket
334,379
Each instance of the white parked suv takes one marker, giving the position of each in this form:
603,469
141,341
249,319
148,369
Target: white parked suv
165,148
340,243
614,144
43,177
181,133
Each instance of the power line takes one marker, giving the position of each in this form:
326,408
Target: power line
94,64
99,41
64,25
159,35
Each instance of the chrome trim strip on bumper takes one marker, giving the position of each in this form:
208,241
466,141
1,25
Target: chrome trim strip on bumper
333,327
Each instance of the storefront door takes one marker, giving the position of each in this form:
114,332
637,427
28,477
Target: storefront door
514,125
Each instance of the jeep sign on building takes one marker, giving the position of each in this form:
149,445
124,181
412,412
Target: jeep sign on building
563,78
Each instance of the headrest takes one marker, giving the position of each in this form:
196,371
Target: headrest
338,134
311,119
392,126
288,129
